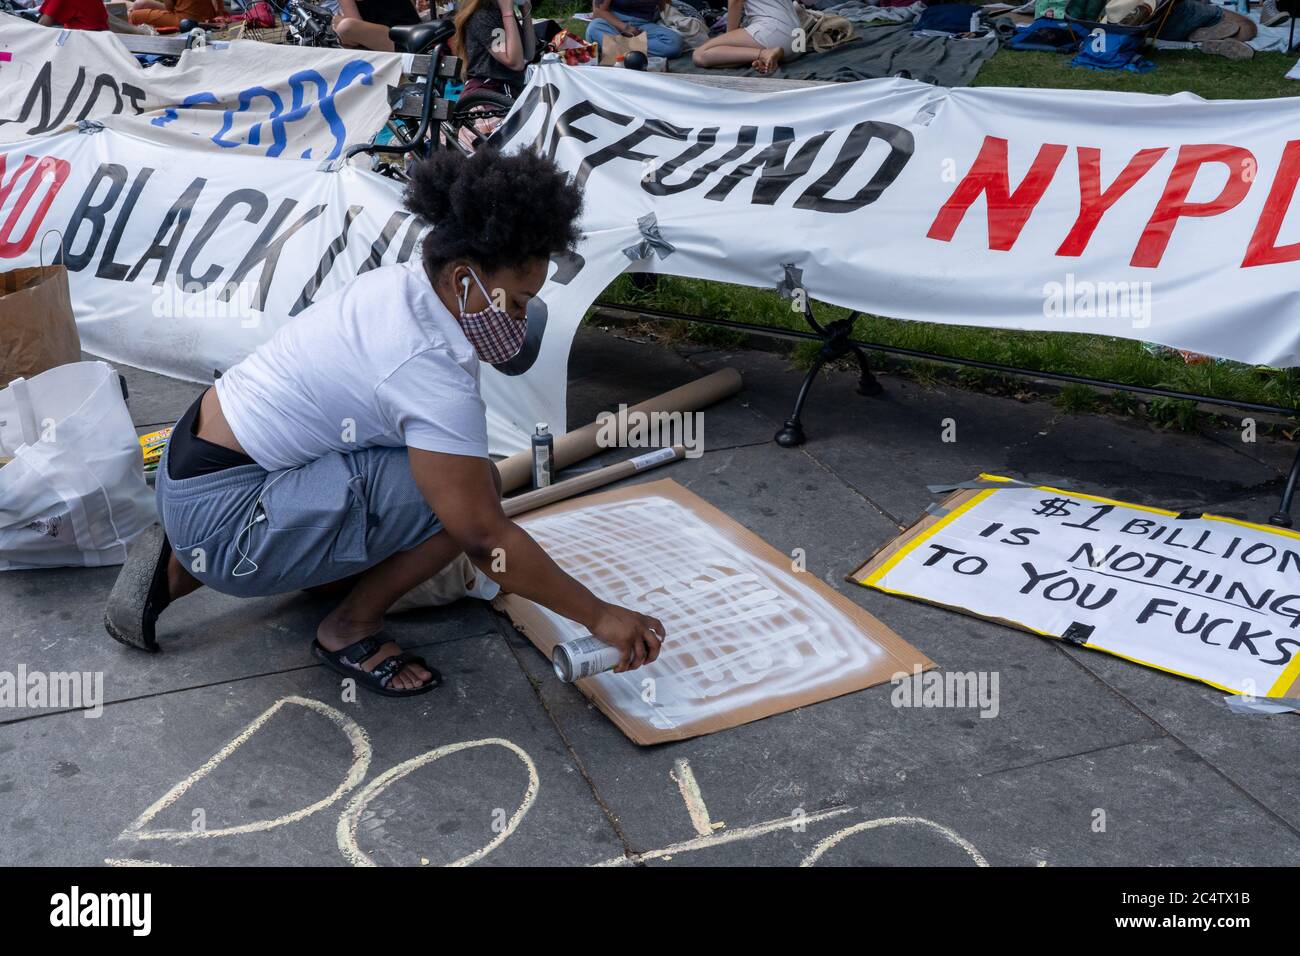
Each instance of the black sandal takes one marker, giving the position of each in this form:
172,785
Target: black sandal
141,592
347,661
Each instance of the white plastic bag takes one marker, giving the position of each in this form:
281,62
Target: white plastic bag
74,493
457,580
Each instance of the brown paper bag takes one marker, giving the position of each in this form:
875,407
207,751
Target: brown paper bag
612,47
37,328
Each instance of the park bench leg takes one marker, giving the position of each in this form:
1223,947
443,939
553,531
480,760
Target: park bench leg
1283,517
836,344
791,433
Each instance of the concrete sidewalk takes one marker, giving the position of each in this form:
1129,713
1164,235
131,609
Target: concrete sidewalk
236,726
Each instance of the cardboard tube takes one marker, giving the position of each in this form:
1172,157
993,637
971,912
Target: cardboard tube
541,497
576,445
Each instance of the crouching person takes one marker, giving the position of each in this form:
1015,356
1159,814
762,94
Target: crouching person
352,446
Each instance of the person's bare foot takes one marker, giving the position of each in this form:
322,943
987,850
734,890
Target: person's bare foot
179,581
767,60
337,632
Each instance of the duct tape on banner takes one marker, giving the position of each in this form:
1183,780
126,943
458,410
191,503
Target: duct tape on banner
652,243
791,283
1253,706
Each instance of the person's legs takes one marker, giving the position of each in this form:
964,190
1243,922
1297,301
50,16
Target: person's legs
179,581
663,41
598,29
768,58
353,515
361,613
775,39
733,48
154,16
363,35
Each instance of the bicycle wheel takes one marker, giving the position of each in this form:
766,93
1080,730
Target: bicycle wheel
474,117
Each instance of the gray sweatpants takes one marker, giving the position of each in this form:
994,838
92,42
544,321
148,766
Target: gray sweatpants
245,531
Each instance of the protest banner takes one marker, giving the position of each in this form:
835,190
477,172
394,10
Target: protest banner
240,96
1206,597
1165,219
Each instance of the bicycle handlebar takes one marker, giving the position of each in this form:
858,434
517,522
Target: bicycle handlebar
426,115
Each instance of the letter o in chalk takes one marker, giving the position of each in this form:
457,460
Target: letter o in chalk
351,816
947,833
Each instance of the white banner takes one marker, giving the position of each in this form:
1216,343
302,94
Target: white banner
1162,218
1205,597
182,262
1159,218
240,96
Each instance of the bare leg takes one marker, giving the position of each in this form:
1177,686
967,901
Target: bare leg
733,48
179,581
361,33
362,612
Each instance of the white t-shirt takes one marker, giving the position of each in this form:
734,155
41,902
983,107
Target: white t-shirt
379,363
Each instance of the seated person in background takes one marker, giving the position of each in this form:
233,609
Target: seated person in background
630,18
164,14
493,49
74,14
765,40
365,23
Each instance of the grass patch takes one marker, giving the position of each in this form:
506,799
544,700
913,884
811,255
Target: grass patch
1077,398
1213,77
559,9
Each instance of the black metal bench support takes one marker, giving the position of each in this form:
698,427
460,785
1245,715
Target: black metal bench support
1283,516
837,341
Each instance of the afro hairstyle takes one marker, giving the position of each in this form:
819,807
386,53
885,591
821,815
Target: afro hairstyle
496,210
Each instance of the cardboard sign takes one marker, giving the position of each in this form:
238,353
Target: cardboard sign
1209,598
748,636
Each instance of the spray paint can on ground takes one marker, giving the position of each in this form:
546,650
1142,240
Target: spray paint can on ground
584,657
543,456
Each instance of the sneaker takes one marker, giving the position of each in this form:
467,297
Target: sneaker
1231,49
1270,15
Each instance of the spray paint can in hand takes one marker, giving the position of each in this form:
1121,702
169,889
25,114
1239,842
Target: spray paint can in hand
543,456
584,657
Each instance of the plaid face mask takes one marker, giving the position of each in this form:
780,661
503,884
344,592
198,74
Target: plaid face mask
496,336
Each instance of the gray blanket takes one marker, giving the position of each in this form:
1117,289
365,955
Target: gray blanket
881,51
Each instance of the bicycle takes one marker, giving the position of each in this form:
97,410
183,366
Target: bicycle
447,119
308,24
